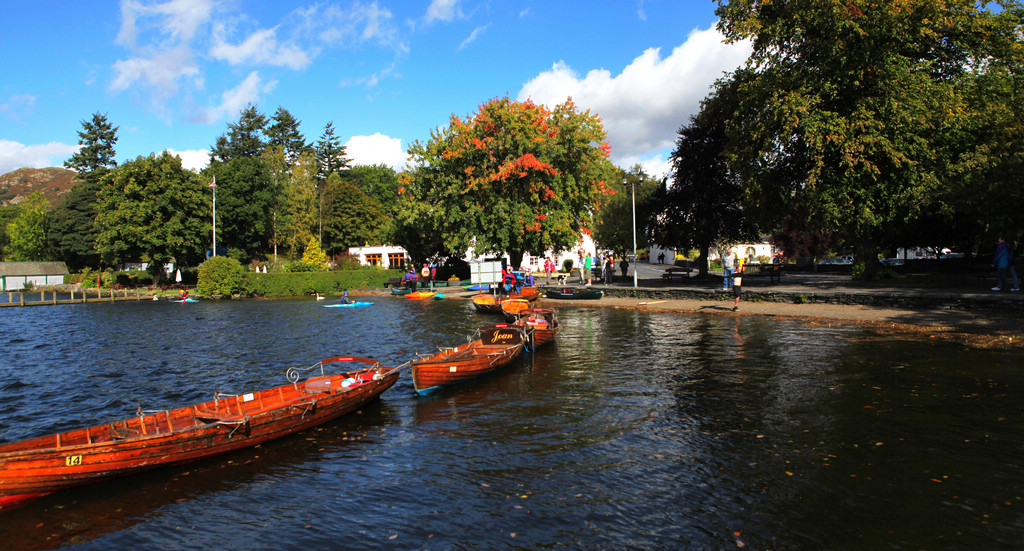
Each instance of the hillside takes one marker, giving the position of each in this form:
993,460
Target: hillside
52,182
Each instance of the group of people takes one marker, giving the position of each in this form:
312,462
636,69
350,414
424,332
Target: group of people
426,275
1003,261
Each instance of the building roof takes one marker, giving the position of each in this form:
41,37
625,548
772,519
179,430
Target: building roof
32,268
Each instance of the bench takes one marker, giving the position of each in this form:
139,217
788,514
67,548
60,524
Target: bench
773,271
676,271
393,281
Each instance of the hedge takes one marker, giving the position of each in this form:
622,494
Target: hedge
293,284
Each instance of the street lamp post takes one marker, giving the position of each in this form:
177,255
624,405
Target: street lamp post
633,187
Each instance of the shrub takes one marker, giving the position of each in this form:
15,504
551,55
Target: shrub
220,275
301,266
567,265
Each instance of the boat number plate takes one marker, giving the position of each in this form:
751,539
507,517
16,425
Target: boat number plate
452,369
72,460
248,397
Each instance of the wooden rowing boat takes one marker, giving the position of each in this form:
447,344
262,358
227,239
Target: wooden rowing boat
512,307
491,304
540,324
497,346
39,466
568,293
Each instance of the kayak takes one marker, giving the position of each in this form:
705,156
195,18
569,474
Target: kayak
349,305
186,300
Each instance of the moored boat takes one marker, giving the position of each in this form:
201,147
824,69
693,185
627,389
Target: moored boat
39,466
570,293
491,304
419,295
540,324
497,347
512,307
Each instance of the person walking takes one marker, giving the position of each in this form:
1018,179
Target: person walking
728,267
1001,262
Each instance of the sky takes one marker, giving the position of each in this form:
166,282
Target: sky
171,75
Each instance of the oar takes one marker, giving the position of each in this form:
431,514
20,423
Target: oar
649,303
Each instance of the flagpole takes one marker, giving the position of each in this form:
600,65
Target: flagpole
214,186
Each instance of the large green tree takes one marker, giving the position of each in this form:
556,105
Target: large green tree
27,232
513,178
72,222
152,209
330,154
703,205
247,191
284,132
846,106
351,217
613,227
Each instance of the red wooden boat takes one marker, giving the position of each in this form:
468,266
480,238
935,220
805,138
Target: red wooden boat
497,346
540,324
512,307
491,304
39,466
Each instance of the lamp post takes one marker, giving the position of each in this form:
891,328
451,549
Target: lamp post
633,187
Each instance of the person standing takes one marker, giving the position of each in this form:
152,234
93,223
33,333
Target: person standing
737,286
609,269
580,267
1014,282
588,265
1001,262
425,276
549,267
624,266
728,267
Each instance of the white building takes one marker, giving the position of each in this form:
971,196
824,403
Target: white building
14,275
391,256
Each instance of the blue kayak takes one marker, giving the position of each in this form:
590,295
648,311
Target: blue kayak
186,300
349,305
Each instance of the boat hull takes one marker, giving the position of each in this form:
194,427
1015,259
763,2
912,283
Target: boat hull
575,294
540,325
39,466
497,347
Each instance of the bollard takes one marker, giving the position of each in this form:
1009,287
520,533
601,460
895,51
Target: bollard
22,299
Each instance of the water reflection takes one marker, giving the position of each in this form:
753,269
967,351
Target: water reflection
635,430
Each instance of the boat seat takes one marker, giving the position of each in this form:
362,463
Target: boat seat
318,385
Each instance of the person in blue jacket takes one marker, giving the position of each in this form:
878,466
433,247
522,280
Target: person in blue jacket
1001,262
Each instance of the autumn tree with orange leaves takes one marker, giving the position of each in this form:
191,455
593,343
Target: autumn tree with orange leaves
513,178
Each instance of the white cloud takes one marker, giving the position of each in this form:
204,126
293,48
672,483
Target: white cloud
376,149
643,106
443,10
193,159
14,155
261,47
17,106
234,100
472,37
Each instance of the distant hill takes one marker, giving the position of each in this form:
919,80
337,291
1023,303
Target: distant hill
52,182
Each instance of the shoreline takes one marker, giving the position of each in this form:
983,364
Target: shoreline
974,329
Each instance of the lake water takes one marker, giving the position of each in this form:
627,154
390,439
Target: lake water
635,430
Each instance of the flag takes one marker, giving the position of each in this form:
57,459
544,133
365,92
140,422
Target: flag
214,183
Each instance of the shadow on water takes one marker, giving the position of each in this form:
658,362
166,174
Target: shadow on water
633,430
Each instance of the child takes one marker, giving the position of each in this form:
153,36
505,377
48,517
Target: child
737,286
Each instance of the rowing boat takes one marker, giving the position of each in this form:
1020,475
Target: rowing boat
568,293
491,304
39,466
540,324
497,346
512,307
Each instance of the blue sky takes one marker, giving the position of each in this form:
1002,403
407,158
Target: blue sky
172,74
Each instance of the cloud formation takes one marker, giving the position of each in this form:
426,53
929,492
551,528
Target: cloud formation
376,149
15,155
643,106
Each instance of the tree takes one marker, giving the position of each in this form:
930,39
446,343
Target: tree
96,152
703,206
27,232
351,217
72,221
300,205
151,208
846,106
515,177
330,154
613,228
244,138
246,191
284,133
